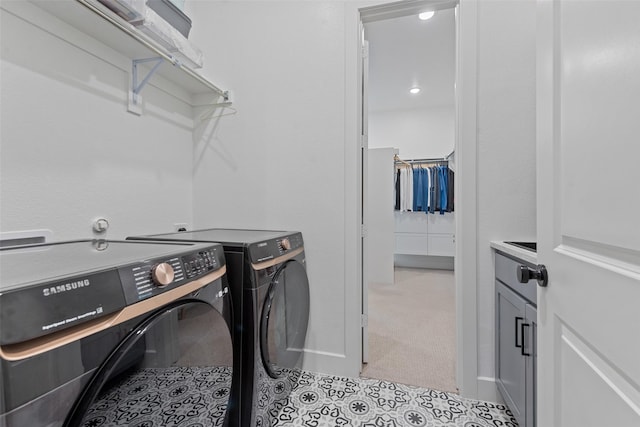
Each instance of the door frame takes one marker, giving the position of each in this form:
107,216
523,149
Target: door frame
465,184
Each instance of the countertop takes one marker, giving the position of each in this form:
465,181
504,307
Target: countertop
515,251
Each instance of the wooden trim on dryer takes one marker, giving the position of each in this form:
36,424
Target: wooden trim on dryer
46,343
279,260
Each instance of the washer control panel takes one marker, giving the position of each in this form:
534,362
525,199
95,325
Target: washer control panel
163,274
200,263
155,276
61,285
274,248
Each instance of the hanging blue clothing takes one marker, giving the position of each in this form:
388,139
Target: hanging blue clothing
417,193
443,188
426,188
432,189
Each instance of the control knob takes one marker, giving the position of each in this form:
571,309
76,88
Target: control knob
162,274
285,244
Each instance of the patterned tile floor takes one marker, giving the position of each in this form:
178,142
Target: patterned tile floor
190,397
328,401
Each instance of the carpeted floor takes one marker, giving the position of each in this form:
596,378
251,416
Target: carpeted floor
412,327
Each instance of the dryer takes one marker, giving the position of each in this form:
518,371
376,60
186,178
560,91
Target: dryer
270,291
96,332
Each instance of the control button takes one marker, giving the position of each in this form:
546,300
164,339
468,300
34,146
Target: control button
162,274
285,244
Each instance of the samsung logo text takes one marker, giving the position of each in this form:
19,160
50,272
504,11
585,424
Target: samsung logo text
71,286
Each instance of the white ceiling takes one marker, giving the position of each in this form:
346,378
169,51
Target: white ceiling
406,52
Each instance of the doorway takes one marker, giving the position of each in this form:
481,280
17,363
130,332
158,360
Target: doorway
414,126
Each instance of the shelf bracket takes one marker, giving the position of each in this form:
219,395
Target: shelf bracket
208,109
135,99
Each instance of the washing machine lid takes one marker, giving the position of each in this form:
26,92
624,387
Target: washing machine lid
46,288
24,265
228,236
262,245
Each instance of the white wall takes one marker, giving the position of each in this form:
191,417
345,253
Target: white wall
284,160
417,133
506,188
69,150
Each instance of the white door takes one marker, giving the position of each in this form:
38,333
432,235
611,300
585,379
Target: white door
380,216
364,149
588,211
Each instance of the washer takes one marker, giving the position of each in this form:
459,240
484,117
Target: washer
96,332
270,290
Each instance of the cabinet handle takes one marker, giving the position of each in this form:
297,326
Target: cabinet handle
516,329
522,326
524,274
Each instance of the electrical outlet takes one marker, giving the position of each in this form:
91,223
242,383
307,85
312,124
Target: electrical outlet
181,226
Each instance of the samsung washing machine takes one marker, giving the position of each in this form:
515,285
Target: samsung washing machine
270,291
101,333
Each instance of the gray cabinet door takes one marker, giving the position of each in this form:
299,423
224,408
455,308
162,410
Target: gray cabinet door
531,348
510,363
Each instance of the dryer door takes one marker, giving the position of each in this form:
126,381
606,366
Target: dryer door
174,367
285,316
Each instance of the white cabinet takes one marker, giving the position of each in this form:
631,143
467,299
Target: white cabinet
411,244
411,222
441,224
441,245
419,233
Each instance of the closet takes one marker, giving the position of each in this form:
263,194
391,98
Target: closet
403,235
424,221
409,244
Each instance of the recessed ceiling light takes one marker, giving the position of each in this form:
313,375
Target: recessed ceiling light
426,15
415,90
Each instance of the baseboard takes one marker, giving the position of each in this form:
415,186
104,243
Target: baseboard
423,261
488,391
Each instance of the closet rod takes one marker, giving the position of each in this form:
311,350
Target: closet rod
435,160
